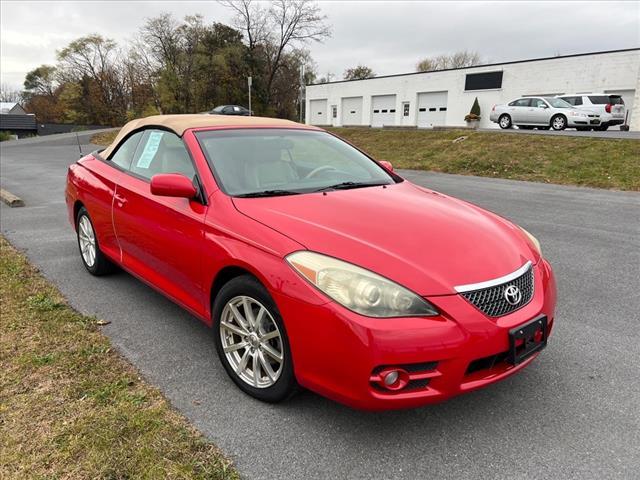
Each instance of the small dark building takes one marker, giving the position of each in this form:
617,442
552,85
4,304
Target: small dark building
15,120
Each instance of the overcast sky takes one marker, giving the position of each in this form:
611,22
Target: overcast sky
388,36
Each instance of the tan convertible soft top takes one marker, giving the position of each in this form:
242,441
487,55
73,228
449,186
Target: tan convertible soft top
180,123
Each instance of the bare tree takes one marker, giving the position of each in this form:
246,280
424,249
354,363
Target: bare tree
463,58
277,29
9,94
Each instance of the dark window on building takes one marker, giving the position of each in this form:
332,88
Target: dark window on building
405,110
334,111
483,81
433,109
352,111
376,111
443,109
422,109
393,110
384,111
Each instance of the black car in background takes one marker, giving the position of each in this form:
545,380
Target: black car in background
230,110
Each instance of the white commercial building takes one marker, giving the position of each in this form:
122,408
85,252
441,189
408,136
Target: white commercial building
444,97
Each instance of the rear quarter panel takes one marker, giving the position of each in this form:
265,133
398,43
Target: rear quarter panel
91,182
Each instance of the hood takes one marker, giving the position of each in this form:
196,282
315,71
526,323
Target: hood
423,240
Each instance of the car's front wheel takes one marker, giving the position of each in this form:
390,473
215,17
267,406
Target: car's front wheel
251,340
504,121
94,260
559,122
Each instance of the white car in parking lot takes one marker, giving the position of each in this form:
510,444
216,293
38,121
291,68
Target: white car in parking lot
542,113
610,108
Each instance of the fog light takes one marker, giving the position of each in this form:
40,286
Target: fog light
391,378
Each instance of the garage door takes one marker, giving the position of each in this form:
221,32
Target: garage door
352,111
432,109
318,114
627,96
383,110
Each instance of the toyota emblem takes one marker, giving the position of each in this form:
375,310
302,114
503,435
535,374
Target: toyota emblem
512,295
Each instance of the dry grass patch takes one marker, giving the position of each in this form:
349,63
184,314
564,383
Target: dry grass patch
71,407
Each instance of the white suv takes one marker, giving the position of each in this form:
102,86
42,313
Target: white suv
610,107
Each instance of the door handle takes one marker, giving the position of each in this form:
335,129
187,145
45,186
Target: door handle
120,201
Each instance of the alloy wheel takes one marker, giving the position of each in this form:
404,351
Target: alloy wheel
251,342
558,123
87,239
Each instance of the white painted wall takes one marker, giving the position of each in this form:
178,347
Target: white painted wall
612,72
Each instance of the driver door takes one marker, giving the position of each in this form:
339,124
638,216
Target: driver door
540,112
161,238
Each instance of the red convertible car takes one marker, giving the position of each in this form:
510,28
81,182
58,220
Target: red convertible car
314,264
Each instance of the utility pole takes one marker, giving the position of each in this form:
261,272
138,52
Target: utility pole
249,85
302,95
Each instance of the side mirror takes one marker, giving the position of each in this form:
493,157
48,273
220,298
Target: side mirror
543,106
386,165
172,185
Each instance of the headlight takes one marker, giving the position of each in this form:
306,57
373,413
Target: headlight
358,289
533,239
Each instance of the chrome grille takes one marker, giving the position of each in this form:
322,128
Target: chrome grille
492,300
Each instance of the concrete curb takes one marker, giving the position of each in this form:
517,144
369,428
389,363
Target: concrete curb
10,199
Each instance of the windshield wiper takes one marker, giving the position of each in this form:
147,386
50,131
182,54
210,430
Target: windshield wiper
268,193
348,185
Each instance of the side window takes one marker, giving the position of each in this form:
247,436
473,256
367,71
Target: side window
578,100
521,102
161,152
570,100
538,103
124,154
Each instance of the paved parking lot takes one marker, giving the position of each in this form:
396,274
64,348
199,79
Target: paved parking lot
574,413
611,133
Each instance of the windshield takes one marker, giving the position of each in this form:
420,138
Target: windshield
265,162
558,102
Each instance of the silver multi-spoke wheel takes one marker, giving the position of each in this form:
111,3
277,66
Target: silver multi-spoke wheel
559,123
251,342
87,239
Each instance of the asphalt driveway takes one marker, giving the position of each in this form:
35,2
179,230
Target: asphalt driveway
574,413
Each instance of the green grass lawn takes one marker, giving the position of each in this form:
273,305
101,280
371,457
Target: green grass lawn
71,407
591,162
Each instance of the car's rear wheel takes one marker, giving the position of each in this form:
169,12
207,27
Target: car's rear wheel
504,121
251,340
559,122
94,260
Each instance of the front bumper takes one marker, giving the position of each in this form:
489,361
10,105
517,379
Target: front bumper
337,353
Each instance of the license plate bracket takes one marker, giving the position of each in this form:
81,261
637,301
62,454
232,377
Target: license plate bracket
527,339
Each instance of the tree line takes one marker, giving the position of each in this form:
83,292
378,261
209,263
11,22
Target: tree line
183,66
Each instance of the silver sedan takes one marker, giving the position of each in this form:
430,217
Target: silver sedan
543,113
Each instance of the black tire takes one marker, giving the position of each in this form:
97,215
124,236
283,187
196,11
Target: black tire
505,121
246,285
101,265
558,122
602,128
